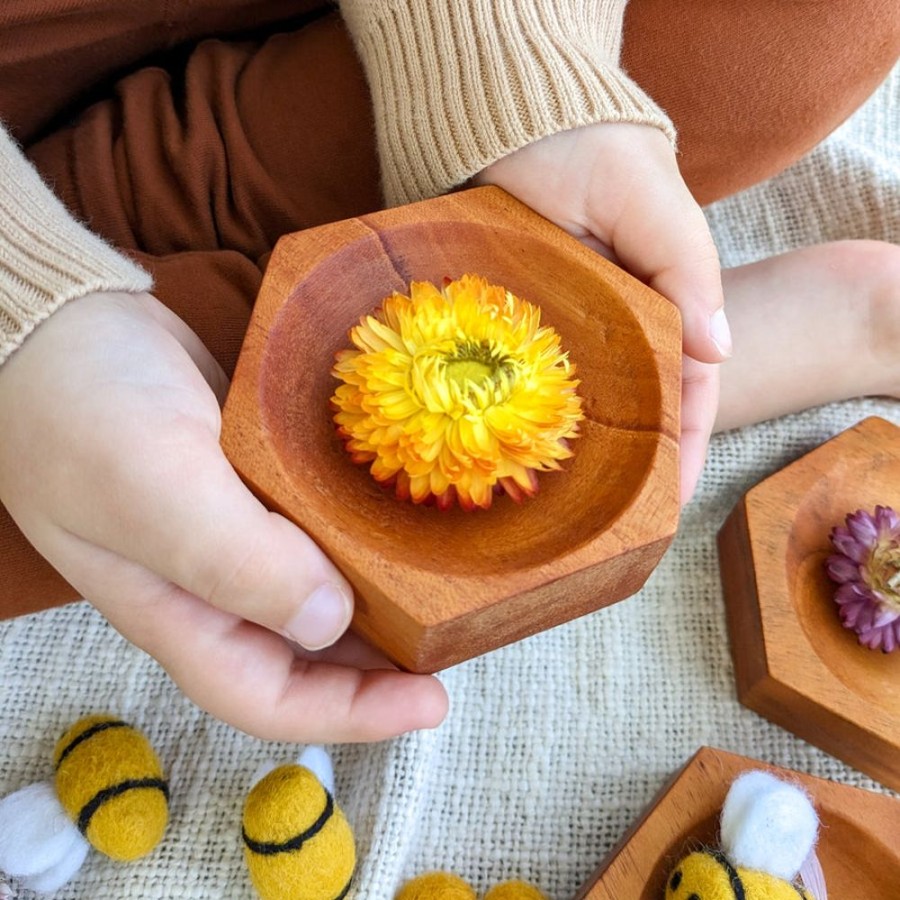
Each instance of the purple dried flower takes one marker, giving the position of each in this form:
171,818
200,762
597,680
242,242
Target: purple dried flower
867,570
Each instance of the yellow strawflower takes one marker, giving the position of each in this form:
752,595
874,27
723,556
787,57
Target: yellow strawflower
457,393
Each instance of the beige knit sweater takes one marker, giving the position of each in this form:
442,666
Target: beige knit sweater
456,85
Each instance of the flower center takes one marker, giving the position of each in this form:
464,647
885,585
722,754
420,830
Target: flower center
884,572
463,370
474,363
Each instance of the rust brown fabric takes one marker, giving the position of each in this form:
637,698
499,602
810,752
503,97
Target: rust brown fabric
754,86
246,141
193,134
56,56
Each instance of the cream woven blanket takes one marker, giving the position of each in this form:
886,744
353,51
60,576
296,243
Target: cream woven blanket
554,745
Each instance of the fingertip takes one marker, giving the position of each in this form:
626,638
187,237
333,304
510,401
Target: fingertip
430,709
720,333
394,703
322,617
706,336
436,704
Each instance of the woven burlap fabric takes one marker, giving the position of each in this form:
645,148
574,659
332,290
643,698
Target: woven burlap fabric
553,745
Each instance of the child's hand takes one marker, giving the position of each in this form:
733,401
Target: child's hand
617,188
110,463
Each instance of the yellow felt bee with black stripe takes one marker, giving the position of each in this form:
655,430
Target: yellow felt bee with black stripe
298,844
709,875
768,835
108,792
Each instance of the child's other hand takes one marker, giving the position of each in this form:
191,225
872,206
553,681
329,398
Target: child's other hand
617,188
110,463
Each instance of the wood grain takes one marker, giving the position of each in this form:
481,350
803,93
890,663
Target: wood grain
794,662
857,846
434,588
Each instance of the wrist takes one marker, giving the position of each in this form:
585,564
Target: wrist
46,256
524,76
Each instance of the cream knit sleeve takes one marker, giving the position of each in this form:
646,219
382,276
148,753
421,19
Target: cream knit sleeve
458,84
46,256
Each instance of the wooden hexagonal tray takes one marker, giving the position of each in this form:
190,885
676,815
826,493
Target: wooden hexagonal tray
794,662
436,587
857,846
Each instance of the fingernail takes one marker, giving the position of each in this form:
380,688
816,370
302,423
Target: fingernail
322,618
720,332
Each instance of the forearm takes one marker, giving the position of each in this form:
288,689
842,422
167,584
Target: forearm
458,85
46,256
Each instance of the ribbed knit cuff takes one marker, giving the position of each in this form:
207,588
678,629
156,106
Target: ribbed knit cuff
46,257
458,85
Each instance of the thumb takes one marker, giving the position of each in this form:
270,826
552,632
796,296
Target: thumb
190,519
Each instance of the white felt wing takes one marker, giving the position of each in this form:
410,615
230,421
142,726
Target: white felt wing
768,824
813,877
53,878
317,760
35,833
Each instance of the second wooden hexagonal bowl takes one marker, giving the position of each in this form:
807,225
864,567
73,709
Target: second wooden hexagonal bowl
794,662
436,587
857,847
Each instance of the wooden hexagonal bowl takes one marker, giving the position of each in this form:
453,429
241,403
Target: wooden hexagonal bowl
794,662
857,847
436,587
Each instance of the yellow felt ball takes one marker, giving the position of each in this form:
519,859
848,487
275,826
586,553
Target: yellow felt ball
436,886
515,890
297,842
111,783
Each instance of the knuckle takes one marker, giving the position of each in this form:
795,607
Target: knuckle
239,576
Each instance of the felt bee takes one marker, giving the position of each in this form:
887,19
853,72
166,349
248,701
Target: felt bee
108,792
297,842
709,875
768,835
